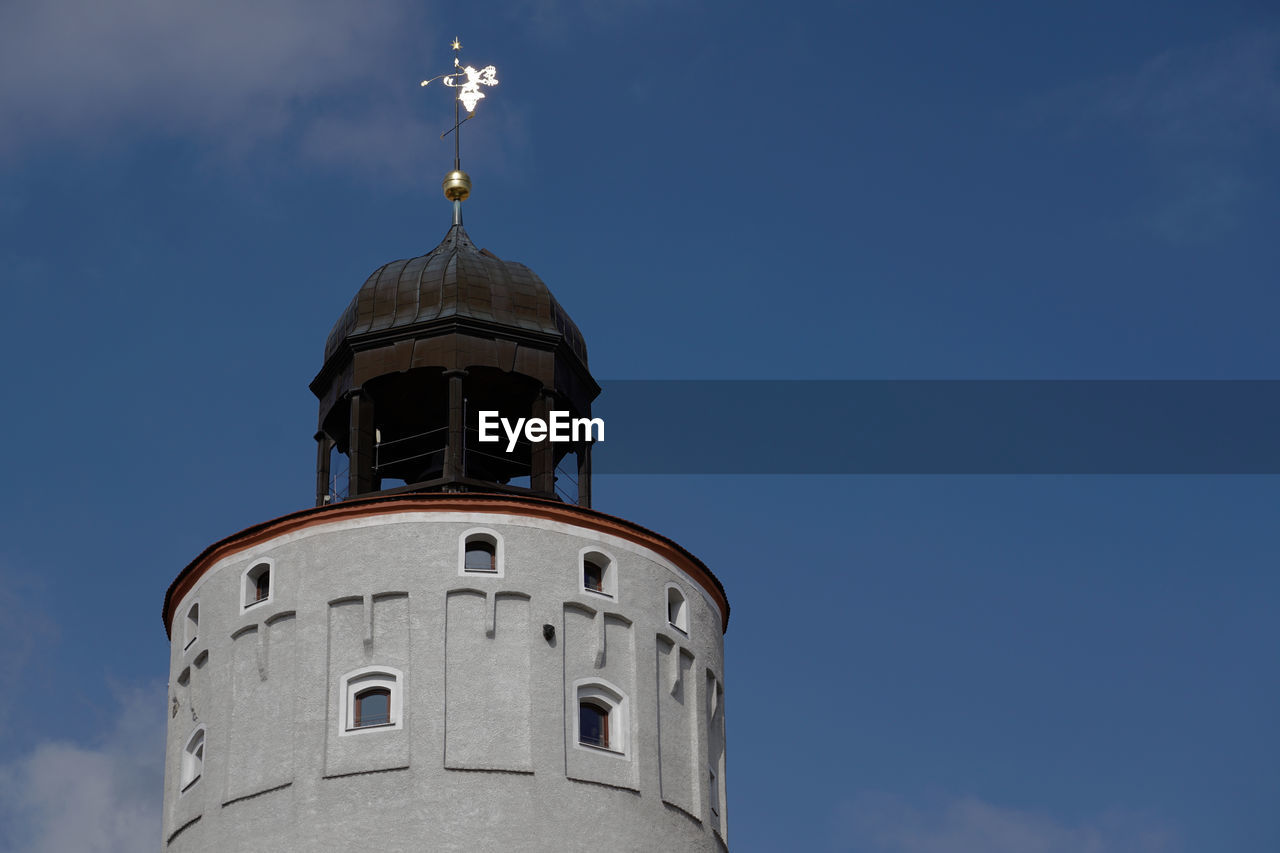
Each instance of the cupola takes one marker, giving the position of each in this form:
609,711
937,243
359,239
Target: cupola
425,345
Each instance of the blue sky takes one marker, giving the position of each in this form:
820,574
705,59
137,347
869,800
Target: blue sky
190,194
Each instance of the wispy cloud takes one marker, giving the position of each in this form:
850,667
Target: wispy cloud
1221,95
232,73
23,630
64,796
1206,119
880,823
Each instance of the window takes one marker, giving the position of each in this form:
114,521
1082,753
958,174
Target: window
481,555
373,707
601,721
593,575
593,723
677,610
192,760
480,552
597,573
257,584
371,699
715,795
192,625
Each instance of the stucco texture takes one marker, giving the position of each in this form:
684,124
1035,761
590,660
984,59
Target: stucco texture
482,753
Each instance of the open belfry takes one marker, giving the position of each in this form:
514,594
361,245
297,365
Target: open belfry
452,650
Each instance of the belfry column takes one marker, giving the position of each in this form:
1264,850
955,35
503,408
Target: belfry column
361,478
324,445
454,452
543,477
584,473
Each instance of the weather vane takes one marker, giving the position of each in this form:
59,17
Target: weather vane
467,80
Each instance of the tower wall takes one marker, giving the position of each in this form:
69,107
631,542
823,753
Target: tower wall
483,750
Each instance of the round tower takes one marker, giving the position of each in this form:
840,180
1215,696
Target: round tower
451,651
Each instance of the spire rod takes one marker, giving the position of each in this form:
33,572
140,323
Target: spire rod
467,80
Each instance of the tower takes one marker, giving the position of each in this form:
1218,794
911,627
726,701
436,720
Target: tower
451,651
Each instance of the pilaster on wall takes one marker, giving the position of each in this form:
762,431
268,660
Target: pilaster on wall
599,647
677,727
366,631
488,716
259,748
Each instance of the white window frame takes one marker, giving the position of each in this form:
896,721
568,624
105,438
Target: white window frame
499,553
602,692
192,767
191,626
681,622
608,583
248,585
360,680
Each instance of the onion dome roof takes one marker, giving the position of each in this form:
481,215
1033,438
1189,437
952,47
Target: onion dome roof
455,280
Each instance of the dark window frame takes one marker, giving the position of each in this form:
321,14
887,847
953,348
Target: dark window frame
258,584
602,712
478,544
357,703
589,567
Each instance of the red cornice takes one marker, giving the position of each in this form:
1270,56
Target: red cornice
458,502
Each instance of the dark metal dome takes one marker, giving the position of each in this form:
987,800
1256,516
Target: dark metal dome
455,279
426,345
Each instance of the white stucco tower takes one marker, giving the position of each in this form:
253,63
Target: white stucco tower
451,651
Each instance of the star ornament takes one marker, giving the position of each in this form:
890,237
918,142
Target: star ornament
457,45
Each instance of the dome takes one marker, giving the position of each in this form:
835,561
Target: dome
455,281
428,343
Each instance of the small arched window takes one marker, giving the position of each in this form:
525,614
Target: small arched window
593,575
598,574
192,760
192,625
593,723
372,707
481,555
371,698
602,717
257,584
480,552
677,609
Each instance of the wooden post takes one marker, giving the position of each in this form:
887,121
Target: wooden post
361,478
584,473
542,475
455,463
324,446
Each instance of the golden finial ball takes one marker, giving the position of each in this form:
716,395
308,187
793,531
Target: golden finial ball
457,185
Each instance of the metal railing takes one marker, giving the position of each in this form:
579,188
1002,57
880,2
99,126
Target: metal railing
384,456
389,455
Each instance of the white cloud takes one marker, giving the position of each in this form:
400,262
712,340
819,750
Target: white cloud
64,796
24,630
880,823
233,72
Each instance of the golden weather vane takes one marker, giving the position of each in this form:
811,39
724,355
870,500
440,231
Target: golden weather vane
467,80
